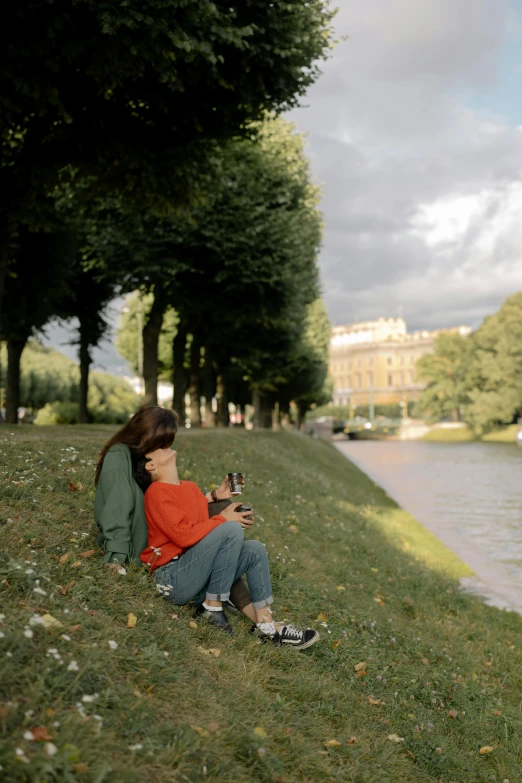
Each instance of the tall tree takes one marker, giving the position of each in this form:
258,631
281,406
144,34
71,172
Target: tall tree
495,373
445,371
130,92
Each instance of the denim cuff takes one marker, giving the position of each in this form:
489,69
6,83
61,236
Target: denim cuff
262,604
217,596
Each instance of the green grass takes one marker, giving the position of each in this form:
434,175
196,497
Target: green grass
443,671
464,434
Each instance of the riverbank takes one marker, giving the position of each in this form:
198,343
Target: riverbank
410,681
463,434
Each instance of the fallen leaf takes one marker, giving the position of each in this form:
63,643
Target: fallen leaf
332,744
213,726
40,734
288,730
260,732
335,645
341,588
352,741
261,752
199,730
362,673
485,749
322,752
378,600
48,621
452,714
72,487
50,712
496,712
131,620
425,661
88,553
411,716
81,768
359,666
395,738
192,625
79,486
293,529
216,652
64,589
410,754
74,628
489,663
77,564
371,700
322,617
64,558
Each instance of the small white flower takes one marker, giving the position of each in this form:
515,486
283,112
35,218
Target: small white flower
36,619
113,645
28,735
9,654
97,717
64,636
29,570
39,591
73,667
86,697
2,618
50,749
28,633
138,746
2,635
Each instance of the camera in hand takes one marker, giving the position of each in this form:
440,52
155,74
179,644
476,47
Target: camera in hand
242,508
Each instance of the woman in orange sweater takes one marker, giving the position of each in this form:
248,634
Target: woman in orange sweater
194,558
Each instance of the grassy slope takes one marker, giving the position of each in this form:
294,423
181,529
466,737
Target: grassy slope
464,434
386,587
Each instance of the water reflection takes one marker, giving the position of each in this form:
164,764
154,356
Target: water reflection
469,495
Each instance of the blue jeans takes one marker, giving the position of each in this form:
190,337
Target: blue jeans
209,568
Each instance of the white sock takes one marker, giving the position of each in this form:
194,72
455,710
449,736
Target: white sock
268,628
212,608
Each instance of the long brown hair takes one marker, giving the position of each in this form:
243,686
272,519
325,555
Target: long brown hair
149,429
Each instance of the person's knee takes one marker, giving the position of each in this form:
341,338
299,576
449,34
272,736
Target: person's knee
231,530
256,548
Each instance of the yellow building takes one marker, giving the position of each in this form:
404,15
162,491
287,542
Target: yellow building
374,361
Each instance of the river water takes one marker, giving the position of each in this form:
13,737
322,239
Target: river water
469,495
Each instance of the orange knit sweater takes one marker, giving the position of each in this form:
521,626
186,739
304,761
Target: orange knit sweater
177,518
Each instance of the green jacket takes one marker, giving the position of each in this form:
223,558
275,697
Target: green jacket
119,510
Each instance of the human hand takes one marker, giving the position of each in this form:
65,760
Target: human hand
231,515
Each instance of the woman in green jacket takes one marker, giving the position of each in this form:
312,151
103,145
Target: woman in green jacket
118,505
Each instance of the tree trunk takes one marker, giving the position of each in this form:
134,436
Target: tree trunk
179,376
275,418
151,333
4,258
222,417
195,406
208,390
15,346
256,404
85,364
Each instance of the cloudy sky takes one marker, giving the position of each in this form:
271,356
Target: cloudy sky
415,132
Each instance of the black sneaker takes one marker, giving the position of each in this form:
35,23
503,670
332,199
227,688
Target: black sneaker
219,619
289,636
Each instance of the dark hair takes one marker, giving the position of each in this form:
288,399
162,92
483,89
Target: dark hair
140,473
149,429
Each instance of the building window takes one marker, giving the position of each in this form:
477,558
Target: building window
349,365
358,362
370,379
390,360
349,381
390,380
401,359
370,361
358,380
401,379
411,376
412,359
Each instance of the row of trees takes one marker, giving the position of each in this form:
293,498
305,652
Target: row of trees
477,379
141,150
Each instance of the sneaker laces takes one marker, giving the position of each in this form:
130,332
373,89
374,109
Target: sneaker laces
292,632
